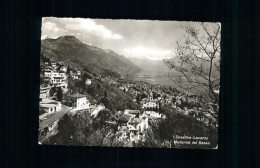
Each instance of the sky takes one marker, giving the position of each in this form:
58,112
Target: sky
148,39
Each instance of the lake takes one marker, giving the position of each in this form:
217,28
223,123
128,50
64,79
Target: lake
157,77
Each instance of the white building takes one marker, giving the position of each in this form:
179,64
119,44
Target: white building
96,109
50,106
78,73
44,92
88,82
53,64
137,124
136,127
74,76
79,101
152,114
58,74
57,78
133,113
47,72
63,69
150,104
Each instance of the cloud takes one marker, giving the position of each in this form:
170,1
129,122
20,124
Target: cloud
44,37
76,26
90,27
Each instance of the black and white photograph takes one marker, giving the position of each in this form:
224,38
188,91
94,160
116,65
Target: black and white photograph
129,83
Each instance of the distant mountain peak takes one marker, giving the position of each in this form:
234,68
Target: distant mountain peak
69,38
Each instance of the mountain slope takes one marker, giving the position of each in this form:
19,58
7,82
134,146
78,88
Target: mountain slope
149,65
73,52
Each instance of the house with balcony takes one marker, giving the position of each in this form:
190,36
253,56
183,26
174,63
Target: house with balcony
44,91
57,78
47,72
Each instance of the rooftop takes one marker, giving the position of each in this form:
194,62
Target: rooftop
77,95
47,103
132,111
125,117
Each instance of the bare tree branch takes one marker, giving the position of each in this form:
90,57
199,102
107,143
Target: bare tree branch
198,59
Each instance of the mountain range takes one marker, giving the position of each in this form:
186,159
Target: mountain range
149,65
72,51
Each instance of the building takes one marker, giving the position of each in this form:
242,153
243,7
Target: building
123,120
152,114
50,106
63,69
94,111
57,80
121,88
136,127
78,73
47,72
59,74
133,113
174,105
73,75
53,64
88,82
150,104
48,126
137,124
44,91
78,101
57,77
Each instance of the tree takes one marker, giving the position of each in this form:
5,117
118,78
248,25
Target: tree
42,81
59,94
68,70
65,130
104,115
197,60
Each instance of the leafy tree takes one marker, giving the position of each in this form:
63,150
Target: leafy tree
65,130
59,94
42,81
105,101
198,60
68,70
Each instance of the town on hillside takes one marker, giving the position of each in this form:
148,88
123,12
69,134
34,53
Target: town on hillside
79,108
129,83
